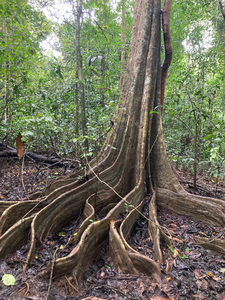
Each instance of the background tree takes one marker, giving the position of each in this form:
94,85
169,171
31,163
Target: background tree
117,176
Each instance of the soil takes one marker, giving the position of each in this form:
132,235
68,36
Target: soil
190,273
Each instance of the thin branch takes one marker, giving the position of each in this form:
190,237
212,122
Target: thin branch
100,26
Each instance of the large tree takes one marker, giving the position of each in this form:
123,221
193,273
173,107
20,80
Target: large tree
133,156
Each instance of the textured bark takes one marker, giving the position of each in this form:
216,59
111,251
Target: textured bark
222,9
168,47
122,45
117,177
77,15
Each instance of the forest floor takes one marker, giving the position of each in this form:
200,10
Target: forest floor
195,273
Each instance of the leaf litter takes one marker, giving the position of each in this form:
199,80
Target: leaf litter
190,271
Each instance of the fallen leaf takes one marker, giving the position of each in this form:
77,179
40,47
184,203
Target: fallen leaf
197,273
216,278
92,298
102,274
162,298
199,296
202,284
175,253
20,146
172,224
177,240
51,243
8,279
108,266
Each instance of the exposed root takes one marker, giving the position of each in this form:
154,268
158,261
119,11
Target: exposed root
209,210
116,177
11,239
211,244
154,229
18,211
120,256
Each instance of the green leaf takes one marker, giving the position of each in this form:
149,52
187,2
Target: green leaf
91,220
8,279
153,112
222,270
171,249
182,256
108,266
179,107
87,60
28,133
209,136
61,233
85,72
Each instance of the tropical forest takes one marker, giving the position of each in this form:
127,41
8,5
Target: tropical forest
112,149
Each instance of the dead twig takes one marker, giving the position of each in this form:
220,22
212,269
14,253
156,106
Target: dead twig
50,280
21,291
71,284
116,290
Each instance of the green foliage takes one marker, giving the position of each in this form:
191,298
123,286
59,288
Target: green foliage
194,108
39,91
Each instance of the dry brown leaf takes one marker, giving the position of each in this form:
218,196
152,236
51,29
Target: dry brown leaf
20,146
162,298
177,240
202,284
209,274
175,253
199,296
216,278
197,273
92,298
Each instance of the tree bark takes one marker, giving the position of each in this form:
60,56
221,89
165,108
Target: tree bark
122,45
168,47
77,15
222,10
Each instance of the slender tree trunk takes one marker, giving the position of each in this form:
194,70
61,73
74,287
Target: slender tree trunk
222,9
196,155
122,45
77,15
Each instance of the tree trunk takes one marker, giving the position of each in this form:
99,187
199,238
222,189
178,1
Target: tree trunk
77,15
122,45
137,145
